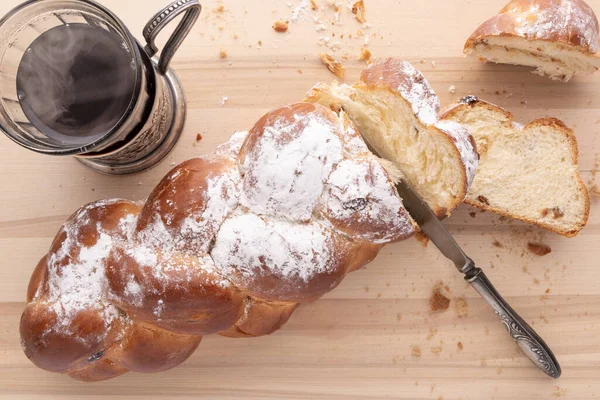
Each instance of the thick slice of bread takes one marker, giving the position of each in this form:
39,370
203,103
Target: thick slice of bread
557,37
396,111
527,172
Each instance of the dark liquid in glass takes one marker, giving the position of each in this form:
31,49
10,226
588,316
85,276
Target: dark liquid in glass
76,82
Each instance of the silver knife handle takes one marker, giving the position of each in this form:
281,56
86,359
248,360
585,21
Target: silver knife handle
528,340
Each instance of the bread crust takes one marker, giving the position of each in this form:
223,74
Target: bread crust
134,287
568,22
471,101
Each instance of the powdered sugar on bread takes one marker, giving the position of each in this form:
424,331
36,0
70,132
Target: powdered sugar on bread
249,246
360,200
286,167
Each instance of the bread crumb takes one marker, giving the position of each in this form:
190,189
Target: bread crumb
452,89
198,137
557,391
595,190
473,214
462,307
436,350
433,64
313,5
358,9
219,9
398,317
235,36
432,333
439,301
223,101
366,289
422,238
334,66
460,346
300,71
497,244
223,53
281,26
365,54
416,351
260,42
539,249
333,4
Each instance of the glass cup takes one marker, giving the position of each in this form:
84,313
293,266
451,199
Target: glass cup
118,129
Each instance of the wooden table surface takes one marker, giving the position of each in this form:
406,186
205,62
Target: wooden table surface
356,343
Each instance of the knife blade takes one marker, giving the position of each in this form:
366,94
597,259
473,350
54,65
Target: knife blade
432,227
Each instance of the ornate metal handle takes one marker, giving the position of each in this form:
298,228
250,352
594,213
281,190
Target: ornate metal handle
528,340
192,9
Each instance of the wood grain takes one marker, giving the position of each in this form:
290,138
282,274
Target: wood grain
357,342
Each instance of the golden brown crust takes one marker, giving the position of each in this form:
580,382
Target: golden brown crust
147,348
568,22
193,300
559,126
261,318
98,371
37,279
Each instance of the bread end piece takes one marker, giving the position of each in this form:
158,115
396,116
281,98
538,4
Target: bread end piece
543,186
557,37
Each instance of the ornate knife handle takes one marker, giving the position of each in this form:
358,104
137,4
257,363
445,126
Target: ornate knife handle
192,9
528,340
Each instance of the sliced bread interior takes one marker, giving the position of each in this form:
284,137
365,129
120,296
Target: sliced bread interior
527,172
555,60
396,112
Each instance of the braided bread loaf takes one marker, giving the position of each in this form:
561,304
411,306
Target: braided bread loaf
227,243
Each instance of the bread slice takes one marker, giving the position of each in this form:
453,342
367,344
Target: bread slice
527,172
557,37
396,111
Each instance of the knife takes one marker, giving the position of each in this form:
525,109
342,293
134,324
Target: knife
528,340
